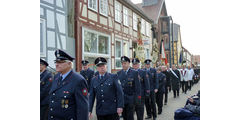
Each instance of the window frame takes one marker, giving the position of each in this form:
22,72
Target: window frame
118,58
135,25
118,18
96,3
44,53
106,5
127,47
97,53
125,16
147,29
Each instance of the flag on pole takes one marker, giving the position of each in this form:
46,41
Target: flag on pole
163,54
180,58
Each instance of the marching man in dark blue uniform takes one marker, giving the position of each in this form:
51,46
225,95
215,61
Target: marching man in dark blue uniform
107,90
161,89
45,85
150,102
145,88
87,73
68,94
131,88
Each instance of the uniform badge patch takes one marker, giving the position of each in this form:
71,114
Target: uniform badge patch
50,79
85,92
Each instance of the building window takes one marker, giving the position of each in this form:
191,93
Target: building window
43,45
135,21
147,29
147,54
103,44
96,43
90,42
92,4
118,12
125,16
143,28
103,7
118,53
125,48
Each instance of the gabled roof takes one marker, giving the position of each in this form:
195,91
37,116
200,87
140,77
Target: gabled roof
152,11
137,10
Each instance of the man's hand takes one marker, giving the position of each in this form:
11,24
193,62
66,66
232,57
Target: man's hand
119,111
90,115
191,100
155,90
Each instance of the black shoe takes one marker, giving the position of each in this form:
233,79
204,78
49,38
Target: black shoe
165,103
148,117
174,96
154,118
159,112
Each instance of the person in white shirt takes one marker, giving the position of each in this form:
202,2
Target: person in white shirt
184,74
190,76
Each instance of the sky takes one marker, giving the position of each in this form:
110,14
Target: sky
187,13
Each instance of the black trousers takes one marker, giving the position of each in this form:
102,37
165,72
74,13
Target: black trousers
184,86
44,112
175,92
159,100
108,117
166,95
150,105
190,84
139,108
128,112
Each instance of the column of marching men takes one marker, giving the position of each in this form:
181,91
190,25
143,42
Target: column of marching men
71,96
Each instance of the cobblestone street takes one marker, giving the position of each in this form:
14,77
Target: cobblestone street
173,104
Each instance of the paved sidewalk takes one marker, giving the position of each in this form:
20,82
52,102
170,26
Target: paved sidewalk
173,104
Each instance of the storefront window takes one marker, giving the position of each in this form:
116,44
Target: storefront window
103,44
90,42
118,54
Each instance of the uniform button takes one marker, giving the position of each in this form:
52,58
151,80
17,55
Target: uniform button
102,95
102,100
101,84
52,101
51,109
53,94
64,96
101,90
51,116
71,119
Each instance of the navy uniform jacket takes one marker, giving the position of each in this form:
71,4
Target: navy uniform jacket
162,82
88,75
131,86
108,93
168,82
69,99
152,78
45,85
144,80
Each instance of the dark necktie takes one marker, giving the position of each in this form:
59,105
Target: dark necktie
60,80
